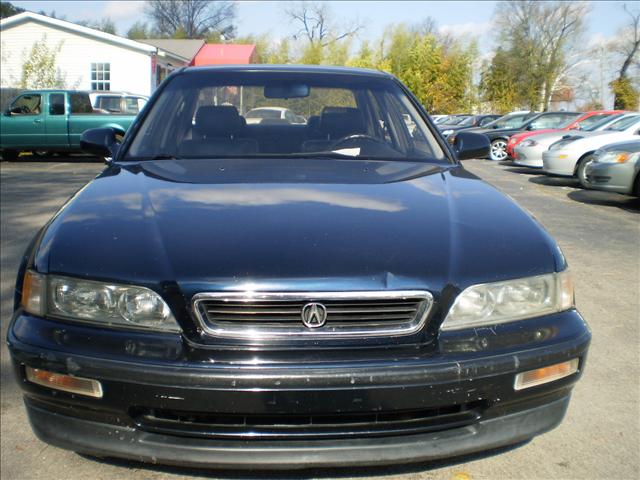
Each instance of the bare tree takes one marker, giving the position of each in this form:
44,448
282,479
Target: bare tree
316,24
540,34
629,46
192,18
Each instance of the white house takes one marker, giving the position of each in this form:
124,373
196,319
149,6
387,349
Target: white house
87,59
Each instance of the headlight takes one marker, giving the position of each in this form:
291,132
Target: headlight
615,157
501,302
529,143
104,303
447,132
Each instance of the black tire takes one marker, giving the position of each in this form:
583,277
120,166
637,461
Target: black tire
10,155
581,170
41,153
636,186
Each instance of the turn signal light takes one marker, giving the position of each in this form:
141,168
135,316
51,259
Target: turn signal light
66,383
545,374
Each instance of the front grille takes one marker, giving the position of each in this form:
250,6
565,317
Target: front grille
320,426
280,315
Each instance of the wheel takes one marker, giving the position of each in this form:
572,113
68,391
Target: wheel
636,186
581,170
10,155
498,150
41,153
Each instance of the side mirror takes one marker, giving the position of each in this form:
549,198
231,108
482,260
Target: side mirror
100,142
471,145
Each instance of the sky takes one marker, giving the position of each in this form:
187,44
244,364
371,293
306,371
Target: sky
467,18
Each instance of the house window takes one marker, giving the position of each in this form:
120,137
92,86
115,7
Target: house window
100,76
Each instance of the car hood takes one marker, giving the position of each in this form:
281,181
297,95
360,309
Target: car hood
597,139
294,225
521,136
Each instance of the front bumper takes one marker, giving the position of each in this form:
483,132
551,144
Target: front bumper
559,162
101,439
529,156
611,177
476,367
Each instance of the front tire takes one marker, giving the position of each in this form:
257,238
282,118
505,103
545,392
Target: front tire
10,155
636,186
581,170
498,151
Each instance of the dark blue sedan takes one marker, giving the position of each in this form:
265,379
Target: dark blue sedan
329,289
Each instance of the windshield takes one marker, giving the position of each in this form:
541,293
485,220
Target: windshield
456,120
553,120
601,122
327,115
509,121
467,122
623,123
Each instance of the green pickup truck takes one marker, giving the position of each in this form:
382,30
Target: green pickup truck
49,121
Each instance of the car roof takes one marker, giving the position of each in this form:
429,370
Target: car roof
315,69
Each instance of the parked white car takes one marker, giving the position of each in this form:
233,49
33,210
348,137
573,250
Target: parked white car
569,157
277,114
529,151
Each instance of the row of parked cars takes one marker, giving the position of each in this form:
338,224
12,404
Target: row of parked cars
600,148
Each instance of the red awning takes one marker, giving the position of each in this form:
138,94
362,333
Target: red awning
224,54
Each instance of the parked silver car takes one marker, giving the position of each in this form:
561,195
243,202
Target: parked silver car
615,168
529,151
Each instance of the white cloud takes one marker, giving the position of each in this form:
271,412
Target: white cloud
122,10
468,28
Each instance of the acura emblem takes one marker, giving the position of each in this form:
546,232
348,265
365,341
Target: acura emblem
314,315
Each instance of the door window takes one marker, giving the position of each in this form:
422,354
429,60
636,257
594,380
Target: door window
28,104
80,103
56,104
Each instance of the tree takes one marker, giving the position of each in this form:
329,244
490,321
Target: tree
316,25
537,36
499,84
628,47
139,30
8,10
105,25
39,69
192,18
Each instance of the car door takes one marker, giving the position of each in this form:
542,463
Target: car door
23,122
56,125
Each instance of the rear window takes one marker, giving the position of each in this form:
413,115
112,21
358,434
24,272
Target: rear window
346,116
111,104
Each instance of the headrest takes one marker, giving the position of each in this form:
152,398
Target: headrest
217,121
314,122
338,122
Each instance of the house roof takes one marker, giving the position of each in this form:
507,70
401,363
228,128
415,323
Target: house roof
184,49
224,54
73,27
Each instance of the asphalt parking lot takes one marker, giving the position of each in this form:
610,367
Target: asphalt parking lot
600,236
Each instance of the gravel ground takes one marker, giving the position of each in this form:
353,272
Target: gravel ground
600,236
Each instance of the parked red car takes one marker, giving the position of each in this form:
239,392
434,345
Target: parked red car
588,118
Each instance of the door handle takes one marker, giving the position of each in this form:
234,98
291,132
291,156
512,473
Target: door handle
37,120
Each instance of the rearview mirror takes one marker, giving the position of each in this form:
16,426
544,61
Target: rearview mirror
286,90
100,142
469,145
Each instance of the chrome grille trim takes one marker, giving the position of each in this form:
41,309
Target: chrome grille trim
372,319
